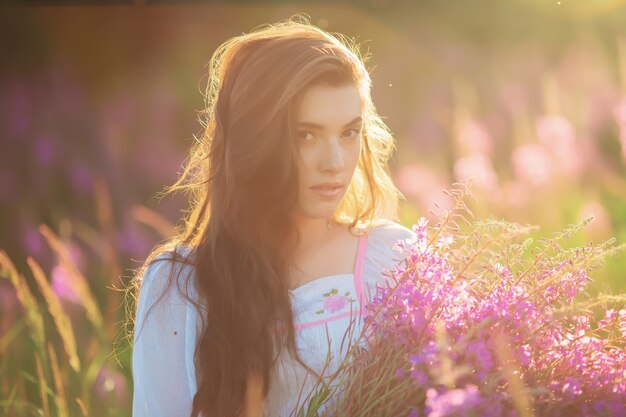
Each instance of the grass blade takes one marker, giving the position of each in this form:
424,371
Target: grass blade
60,318
59,397
78,280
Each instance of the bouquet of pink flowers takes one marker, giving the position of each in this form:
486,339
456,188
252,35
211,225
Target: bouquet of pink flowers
482,323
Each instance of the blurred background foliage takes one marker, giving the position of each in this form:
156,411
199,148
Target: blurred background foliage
99,102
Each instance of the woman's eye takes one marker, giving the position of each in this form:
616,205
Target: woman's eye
307,136
303,135
354,133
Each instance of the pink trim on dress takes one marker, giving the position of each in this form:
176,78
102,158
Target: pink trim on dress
321,321
358,285
358,271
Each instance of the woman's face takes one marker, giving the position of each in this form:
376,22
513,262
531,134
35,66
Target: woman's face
329,142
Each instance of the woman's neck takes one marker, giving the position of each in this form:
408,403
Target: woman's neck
314,232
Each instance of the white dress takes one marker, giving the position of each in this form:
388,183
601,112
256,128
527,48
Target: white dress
162,364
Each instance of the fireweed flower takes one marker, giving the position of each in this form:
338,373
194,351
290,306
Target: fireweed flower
455,401
466,331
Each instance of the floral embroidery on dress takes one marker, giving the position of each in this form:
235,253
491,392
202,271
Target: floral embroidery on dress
333,301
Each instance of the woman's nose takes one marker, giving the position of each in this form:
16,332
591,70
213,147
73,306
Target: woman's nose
332,157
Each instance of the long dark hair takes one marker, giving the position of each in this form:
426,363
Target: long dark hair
243,182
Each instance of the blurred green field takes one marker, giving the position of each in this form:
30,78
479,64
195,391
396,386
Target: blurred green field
99,105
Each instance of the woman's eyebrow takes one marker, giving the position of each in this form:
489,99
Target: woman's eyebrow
316,126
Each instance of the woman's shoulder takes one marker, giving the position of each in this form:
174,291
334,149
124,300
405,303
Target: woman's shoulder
388,245
389,229
178,257
178,252
383,236
170,273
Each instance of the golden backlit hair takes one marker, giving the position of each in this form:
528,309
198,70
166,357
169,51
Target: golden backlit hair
372,193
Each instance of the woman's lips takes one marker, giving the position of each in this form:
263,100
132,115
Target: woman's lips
327,191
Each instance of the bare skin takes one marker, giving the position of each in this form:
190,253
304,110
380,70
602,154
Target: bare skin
336,256
329,136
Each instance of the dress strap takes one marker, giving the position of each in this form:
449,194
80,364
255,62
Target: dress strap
358,271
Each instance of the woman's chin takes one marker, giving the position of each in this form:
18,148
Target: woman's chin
320,211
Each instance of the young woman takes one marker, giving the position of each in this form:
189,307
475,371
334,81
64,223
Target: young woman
290,229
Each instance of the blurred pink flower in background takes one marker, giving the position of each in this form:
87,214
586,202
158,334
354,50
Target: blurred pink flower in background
422,186
531,163
110,387
473,137
62,285
478,167
557,135
61,281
